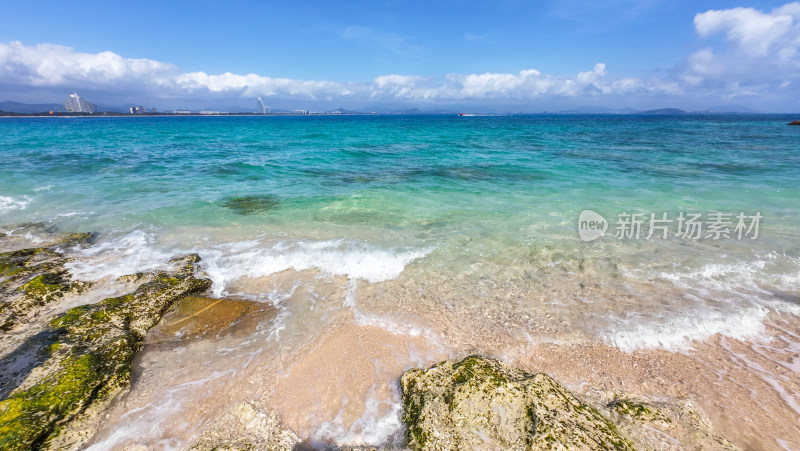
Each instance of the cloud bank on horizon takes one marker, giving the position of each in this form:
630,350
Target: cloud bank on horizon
754,60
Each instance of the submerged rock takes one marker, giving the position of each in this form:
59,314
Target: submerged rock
249,205
480,403
199,317
662,424
247,427
85,357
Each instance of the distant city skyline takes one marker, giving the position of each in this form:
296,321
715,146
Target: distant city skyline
503,56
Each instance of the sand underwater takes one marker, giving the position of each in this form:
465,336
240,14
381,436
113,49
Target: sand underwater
273,278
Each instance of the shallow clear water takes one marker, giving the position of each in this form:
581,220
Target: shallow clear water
463,228
365,196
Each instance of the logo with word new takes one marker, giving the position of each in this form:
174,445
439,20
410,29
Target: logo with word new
591,225
713,225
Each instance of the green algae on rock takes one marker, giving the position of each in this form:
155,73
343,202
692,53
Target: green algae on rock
249,205
661,424
32,278
480,403
87,362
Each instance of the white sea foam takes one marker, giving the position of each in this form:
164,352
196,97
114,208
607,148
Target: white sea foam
8,203
743,294
678,332
147,423
43,188
376,426
138,251
115,257
229,262
772,270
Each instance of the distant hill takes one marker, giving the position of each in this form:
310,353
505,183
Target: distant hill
597,110
736,109
418,111
101,107
407,111
231,108
344,111
664,111
28,108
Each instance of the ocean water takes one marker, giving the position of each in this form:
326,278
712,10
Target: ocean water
461,229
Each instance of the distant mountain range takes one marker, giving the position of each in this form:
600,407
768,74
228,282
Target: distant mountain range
597,110
722,109
28,108
663,112
731,109
32,108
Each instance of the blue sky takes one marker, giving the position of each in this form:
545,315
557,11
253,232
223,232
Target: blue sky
400,53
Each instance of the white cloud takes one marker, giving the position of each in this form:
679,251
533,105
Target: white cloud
754,32
761,60
761,56
59,66
252,85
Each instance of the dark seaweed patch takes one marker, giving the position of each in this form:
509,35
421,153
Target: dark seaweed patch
249,205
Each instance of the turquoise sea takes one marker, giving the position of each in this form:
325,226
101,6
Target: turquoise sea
363,196
459,227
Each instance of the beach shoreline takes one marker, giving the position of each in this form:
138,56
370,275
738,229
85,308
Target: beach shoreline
342,387
339,254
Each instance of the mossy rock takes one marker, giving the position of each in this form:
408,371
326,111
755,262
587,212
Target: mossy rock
661,424
640,411
28,417
32,278
480,403
73,239
15,262
88,361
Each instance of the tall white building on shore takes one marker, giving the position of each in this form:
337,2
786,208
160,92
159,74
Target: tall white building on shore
260,108
75,104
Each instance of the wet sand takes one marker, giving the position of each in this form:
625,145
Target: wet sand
342,386
747,390
325,353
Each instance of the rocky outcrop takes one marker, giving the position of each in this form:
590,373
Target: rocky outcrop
662,424
794,123
32,278
84,359
480,403
247,427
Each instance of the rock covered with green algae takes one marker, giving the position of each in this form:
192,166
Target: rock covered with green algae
86,355
662,425
32,278
480,403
